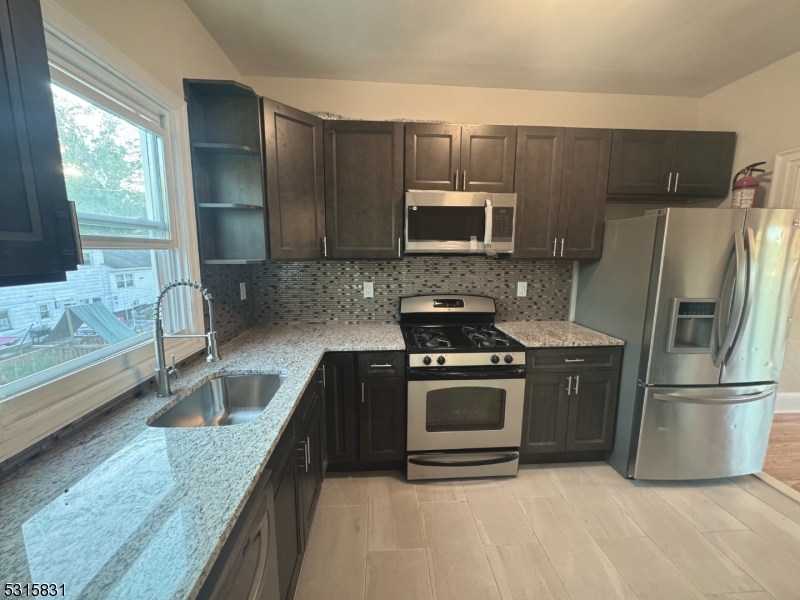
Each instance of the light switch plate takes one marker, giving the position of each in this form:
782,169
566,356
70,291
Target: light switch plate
368,289
522,289
242,291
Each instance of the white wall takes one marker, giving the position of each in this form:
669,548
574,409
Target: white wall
371,100
162,37
764,109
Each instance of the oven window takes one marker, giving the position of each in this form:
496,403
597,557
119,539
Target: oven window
446,223
465,409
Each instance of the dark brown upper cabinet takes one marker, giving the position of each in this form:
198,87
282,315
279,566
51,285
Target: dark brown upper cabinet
671,163
540,156
561,179
363,189
473,158
38,235
295,182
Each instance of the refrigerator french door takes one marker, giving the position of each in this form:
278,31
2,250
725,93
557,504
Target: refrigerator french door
703,299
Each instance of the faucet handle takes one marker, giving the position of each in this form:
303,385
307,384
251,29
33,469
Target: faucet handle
173,370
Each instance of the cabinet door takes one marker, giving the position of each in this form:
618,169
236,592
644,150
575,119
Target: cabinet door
540,153
592,410
382,410
310,471
37,241
487,158
641,162
340,407
295,174
363,189
584,181
287,527
433,155
544,418
703,163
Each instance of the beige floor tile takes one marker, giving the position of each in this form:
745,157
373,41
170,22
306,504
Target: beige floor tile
440,491
741,596
604,474
586,572
398,575
776,572
338,490
781,532
497,515
531,482
571,473
394,521
697,508
335,561
788,507
602,516
651,574
458,564
523,572
705,566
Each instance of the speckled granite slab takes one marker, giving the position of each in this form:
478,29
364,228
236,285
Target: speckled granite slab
555,334
123,510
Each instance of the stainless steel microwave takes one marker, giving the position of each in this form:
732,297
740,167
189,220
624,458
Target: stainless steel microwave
459,222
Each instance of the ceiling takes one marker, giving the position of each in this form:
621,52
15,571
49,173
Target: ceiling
669,47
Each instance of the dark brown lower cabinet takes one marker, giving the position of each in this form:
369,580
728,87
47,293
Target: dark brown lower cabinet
287,530
592,411
544,418
382,412
340,410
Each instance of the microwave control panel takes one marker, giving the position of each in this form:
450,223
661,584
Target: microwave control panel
502,224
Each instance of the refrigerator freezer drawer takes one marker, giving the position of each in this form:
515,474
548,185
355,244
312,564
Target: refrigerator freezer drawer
703,433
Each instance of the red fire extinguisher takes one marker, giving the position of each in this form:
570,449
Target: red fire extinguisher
744,189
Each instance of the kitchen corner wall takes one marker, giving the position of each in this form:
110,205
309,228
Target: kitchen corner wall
232,316
331,291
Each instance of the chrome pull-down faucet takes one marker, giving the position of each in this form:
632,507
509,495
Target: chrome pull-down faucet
163,372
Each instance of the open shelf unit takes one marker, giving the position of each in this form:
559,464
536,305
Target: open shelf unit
228,171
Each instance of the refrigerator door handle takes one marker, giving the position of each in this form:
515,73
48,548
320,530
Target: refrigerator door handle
730,400
750,249
736,303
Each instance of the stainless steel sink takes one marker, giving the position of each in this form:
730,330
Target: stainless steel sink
226,400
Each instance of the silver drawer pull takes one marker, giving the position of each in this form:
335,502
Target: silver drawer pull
574,360
384,366
569,385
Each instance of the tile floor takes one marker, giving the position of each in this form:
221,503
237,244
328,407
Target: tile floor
561,532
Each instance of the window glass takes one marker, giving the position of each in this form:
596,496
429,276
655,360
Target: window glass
113,170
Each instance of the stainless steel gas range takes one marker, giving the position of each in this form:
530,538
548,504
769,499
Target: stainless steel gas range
466,387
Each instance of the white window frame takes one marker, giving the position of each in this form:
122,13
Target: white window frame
46,306
36,413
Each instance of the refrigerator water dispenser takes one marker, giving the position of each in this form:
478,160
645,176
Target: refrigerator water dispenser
692,326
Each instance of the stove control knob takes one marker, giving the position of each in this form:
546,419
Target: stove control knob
495,359
427,360
509,359
440,360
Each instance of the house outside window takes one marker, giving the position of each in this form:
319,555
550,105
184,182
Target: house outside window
44,312
5,320
124,280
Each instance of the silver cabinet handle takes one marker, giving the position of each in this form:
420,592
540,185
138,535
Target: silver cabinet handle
464,180
305,455
308,452
384,366
457,179
555,245
574,360
562,247
362,392
325,247
324,382
569,385
399,247
669,181
677,176
577,382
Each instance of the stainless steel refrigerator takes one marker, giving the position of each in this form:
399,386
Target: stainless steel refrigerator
703,299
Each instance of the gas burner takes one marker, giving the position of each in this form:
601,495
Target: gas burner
435,343
485,337
425,332
430,337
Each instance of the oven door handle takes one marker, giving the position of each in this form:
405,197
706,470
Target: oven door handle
465,463
443,374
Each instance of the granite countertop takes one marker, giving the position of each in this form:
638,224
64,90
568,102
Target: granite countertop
123,510
555,334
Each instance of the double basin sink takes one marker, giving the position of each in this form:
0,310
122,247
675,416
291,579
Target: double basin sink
224,400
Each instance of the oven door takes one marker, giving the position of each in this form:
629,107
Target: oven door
453,414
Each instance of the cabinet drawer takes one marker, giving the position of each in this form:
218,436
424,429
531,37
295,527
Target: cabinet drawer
575,359
381,364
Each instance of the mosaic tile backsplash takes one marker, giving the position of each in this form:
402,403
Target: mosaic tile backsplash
232,316
330,291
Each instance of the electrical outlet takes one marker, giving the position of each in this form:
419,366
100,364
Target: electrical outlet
522,289
368,289
242,291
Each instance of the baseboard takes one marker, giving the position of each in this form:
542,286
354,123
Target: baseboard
787,402
778,485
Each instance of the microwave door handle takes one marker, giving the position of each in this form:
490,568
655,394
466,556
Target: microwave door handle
748,285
